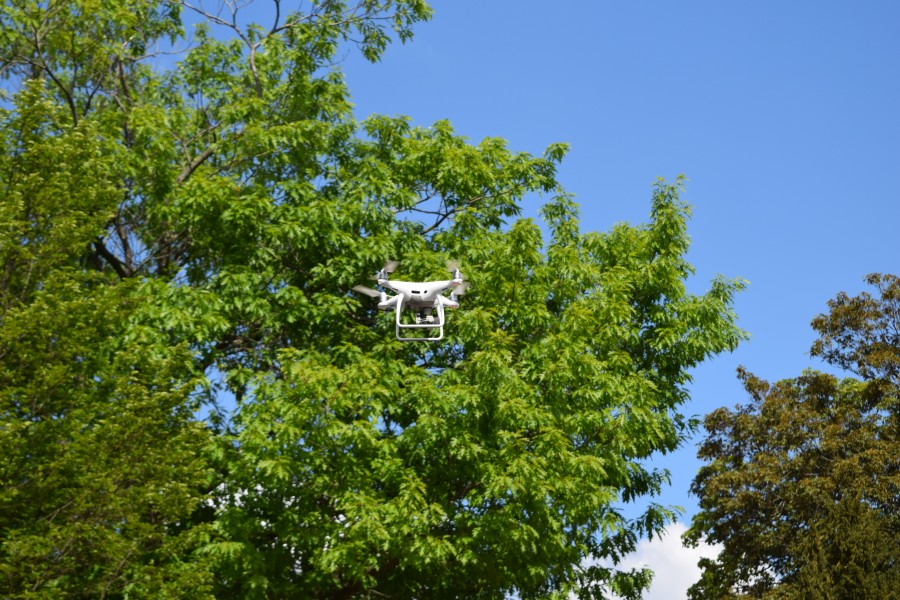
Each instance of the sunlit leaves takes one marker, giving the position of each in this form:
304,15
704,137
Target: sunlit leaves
60,191
211,217
500,456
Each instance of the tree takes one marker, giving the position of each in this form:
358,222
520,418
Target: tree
232,203
803,483
101,450
101,454
862,334
496,458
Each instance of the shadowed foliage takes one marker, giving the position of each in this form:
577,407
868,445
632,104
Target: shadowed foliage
802,488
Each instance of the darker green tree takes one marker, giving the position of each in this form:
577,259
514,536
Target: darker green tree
802,489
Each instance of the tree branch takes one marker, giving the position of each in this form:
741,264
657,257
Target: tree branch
189,169
120,268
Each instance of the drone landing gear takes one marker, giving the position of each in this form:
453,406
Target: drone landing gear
424,320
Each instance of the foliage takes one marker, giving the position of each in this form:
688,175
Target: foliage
99,450
175,236
100,446
862,334
803,482
497,457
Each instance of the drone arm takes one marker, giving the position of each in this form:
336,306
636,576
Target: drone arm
386,303
448,302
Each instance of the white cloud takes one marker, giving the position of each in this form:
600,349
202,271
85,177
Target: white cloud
674,566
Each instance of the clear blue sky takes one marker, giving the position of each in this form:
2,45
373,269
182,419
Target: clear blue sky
785,117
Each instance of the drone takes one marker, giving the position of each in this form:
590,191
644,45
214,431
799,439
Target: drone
423,298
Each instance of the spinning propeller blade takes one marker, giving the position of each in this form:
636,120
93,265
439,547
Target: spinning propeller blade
461,288
390,266
453,266
367,291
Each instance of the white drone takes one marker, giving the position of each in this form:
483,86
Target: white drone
424,298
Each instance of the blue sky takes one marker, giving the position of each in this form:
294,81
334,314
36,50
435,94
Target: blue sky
783,116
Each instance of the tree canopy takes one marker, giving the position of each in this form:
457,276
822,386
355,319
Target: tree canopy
803,483
194,403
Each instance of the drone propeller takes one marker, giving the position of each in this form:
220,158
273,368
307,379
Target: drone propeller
461,288
367,291
385,271
453,266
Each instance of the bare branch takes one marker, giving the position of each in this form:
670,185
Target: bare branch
42,64
214,18
121,270
189,169
277,17
122,234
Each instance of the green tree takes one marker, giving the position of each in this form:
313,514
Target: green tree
496,459
216,215
802,485
100,446
100,451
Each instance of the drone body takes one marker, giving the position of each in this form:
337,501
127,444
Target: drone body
424,298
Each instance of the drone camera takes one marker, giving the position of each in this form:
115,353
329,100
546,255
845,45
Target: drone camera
422,318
